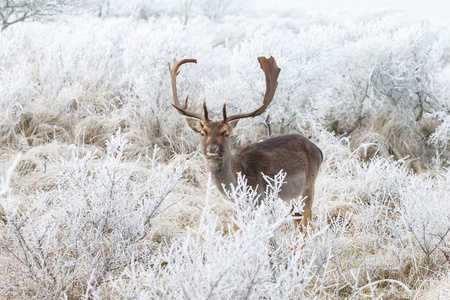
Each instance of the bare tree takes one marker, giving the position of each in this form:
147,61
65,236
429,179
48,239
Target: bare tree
215,10
185,10
15,11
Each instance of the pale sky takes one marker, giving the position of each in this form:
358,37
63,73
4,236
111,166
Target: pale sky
414,8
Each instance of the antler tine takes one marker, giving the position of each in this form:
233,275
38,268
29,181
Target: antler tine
224,110
205,110
183,109
271,71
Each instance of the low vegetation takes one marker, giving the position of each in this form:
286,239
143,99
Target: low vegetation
103,194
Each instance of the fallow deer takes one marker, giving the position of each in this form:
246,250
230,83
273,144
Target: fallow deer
294,154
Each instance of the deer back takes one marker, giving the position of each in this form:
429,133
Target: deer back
294,154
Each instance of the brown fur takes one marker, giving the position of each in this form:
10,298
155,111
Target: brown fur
294,154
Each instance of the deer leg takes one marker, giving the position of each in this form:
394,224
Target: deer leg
309,194
297,220
305,215
303,219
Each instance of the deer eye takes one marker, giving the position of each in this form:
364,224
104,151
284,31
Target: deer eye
202,133
226,134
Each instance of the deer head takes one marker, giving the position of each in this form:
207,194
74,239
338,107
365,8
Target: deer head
215,135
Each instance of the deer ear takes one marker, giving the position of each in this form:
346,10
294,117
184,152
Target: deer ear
232,124
195,124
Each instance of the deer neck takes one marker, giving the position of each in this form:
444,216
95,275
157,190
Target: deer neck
221,172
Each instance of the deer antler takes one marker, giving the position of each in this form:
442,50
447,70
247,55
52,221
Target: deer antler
271,70
183,109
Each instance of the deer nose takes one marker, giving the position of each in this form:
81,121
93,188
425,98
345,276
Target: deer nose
212,149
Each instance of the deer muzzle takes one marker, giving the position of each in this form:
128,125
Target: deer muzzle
213,152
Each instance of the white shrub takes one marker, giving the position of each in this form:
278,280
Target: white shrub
68,241
425,216
440,138
359,89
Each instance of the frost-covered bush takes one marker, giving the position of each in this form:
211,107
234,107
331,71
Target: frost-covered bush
259,260
67,242
425,216
367,252
374,80
440,138
86,218
92,236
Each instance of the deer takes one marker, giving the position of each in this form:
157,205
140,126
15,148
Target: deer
294,154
